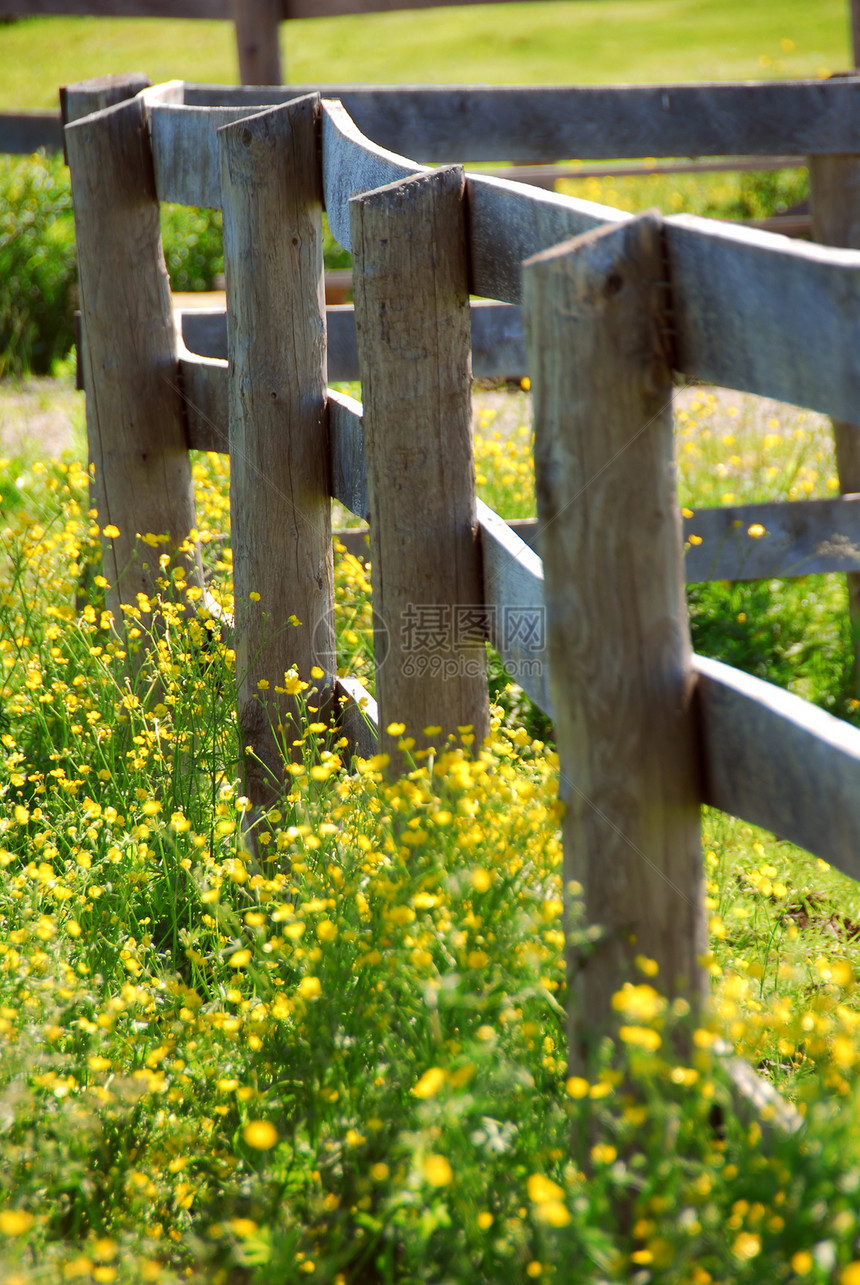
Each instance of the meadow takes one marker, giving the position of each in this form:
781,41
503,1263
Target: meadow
343,1059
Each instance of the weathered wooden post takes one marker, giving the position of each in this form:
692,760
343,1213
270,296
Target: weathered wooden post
413,329
620,656
279,469
834,187
256,24
135,415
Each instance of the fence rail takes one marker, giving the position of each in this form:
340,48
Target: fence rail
612,305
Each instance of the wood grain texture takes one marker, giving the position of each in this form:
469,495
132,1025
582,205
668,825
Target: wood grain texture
205,385
498,346
352,164
185,151
516,605
834,189
279,480
22,133
779,762
412,321
256,24
359,716
509,124
765,315
117,8
135,415
348,459
800,538
620,658
736,291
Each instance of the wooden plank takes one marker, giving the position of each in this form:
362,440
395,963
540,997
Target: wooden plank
620,656
359,716
412,321
834,188
209,9
757,312
507,221
257,41
185,151
205,386
348,462
341,8
779,762
800,538
509,124
135,419
498,347
22,133
516,607
803,537
279,474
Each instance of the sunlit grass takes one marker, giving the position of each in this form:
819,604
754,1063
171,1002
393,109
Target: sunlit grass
344,1059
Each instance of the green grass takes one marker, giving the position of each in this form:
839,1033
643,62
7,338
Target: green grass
345,1060
556,42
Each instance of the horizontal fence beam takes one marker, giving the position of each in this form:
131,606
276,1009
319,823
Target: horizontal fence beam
498,349
117,8
792,309
733,542
209,9
778,761
22,133
506,124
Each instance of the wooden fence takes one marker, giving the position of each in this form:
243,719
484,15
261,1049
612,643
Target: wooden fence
613,305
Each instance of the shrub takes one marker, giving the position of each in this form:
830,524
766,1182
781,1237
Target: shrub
37,264
38,267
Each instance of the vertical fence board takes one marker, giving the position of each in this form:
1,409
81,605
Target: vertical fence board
135,413
257,41
279,472
620,657
834,184
412,324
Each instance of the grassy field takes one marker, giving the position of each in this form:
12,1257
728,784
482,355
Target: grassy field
552,42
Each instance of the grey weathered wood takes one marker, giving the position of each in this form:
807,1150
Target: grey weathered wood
779,762
359,716
205,385
801,538
348,461
117,8
753,311
507,124
135,418
498,348
352,164
279,466
204,330
620,657
257,41
834,188
185,151
736,291
412,320
765,315
22,133
516,605
804,537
